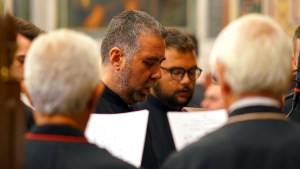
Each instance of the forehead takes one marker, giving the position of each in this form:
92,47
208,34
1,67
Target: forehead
151,46
22,41
179,59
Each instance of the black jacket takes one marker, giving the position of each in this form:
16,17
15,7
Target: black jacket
256,143
295,115
63,147
110,103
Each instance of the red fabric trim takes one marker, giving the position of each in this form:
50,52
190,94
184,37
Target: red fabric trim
52,137
296,90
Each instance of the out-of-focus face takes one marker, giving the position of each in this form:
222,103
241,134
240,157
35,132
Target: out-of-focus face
18,60
141,73
213,98
176,93
296,54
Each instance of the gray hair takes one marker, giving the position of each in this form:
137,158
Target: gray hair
62,72
124,30
253,51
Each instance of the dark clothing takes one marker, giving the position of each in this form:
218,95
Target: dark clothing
110,103
245,144
295,115
64,147
29,117
159,141
198,96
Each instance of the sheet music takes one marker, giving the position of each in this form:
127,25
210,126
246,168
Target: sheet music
123,135
188,127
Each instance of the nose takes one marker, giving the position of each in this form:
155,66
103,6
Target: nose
185,79
156,74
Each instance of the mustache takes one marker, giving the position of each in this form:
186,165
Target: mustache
184,89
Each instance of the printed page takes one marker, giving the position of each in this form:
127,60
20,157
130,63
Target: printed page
188,127
123,135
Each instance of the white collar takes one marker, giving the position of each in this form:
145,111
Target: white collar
254,101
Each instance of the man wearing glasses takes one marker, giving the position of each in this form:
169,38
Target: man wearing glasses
172,92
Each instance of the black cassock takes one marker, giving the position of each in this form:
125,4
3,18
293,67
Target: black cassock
159,141
247,144
59,146
111,103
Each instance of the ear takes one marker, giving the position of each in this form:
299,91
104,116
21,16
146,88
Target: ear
116,57
221,78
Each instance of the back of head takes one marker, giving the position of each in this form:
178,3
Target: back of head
26,28
62,72
179,41
124,30
253,51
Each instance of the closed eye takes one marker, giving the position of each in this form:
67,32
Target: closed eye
149,63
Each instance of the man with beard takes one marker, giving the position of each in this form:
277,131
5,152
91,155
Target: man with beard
172,92
132,51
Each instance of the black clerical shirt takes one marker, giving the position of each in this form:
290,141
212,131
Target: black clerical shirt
111,103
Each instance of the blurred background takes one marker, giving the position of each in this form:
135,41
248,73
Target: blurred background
203,18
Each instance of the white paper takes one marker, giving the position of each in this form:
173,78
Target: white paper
188,127
123,135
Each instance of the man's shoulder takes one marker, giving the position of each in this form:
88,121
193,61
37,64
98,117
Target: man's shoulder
91,156
110,103
104,159
71,155
104,105
193,156
295,114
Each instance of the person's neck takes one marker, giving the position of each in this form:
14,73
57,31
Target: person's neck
230,99
73,121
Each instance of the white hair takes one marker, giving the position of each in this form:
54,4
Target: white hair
62,71
256,55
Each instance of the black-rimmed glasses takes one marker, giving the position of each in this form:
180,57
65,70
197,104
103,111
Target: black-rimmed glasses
178,73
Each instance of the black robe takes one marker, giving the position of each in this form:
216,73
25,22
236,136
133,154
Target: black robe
295,115
111,103
58,146
159,141
29,117
248,144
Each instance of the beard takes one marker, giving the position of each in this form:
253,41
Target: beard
170,99
128,90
